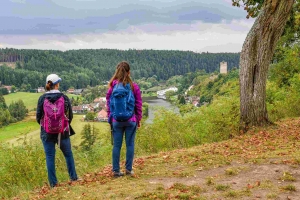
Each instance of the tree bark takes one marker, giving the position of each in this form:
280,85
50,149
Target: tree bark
256,55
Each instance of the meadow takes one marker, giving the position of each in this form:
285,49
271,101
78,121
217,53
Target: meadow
28,128
30,99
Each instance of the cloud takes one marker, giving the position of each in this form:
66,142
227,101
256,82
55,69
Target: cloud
36,17
214,25
198,37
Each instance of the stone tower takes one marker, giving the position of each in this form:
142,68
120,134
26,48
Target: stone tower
223,67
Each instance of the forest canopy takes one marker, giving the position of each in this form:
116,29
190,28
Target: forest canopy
80,68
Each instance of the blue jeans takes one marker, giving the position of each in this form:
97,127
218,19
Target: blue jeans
118,131
65,146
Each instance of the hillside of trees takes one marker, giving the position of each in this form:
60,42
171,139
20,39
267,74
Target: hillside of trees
80,68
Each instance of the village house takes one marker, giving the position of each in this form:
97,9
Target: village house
102,116
77,109
95,105
78,91
87,107
8,87
100,100
41,90
196,103
70,90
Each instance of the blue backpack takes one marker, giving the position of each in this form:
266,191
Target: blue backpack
122,102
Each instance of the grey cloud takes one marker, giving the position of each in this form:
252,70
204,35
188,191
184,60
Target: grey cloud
63,17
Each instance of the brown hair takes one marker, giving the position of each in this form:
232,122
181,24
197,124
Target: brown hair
49,86
121,75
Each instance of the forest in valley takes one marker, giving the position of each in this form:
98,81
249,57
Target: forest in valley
80,68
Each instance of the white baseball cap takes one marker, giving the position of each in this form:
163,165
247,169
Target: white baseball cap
54,78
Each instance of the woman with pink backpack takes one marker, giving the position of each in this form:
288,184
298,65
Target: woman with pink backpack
54,114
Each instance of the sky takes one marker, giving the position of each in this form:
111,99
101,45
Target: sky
189,25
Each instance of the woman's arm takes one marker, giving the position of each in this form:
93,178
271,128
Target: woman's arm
138,103
39,109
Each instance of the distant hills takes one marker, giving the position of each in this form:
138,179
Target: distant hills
80,68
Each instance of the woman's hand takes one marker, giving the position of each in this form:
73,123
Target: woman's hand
139,124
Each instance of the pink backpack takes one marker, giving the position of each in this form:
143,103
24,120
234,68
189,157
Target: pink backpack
55,120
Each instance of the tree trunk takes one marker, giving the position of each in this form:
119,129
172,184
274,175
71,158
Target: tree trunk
256,55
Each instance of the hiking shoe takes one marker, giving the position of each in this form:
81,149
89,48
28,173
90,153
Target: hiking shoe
118,174
129,173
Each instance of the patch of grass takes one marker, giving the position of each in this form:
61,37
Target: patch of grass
291,188
266,184
287,176
210,181
184,196
78,124
272,196
232,171
30,99
16,129
160,188
221,187
231,193
179,186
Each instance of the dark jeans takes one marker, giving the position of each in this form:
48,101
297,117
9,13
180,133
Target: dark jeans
118,131
65,147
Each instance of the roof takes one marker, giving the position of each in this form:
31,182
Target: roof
100,99
102,114
75,108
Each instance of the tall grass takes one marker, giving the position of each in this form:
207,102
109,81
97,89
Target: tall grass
23,167
169,130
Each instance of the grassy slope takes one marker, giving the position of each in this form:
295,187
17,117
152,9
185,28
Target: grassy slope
14,133
262,164
17,129
29,99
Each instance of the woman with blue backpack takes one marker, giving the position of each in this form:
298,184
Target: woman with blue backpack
124,109
54,114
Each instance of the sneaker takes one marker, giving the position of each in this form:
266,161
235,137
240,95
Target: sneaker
130,173
118,174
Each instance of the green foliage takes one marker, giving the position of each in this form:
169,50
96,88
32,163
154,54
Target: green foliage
80,68
89,136
3,91
187,108
181,99
90,93
211,86
169,94
145,109
169,130
252,7
2,102
5,117
90,116
13,89
283,87
22,168
18,110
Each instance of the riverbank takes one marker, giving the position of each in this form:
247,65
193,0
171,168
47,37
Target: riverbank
154,105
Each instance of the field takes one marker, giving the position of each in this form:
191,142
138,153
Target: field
30,99
15,133
17,129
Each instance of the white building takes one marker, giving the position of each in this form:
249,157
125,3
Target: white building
223,67
162,93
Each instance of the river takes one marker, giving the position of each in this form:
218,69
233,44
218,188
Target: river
156,102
